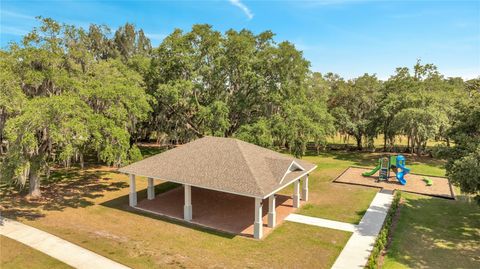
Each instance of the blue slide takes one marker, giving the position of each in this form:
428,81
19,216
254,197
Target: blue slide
402,170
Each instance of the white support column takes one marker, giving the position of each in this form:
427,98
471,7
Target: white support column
187,208
272,215
258,225
150,189
296,194
305,189
132,196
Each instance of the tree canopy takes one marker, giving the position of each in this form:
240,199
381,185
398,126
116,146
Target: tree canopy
68,93
60,102
463,166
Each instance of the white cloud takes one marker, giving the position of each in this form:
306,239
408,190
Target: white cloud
243,7
12,30
11,14
14,23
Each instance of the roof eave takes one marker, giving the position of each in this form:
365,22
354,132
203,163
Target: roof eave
193,185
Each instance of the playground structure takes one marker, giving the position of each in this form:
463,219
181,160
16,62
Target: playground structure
395,163
440,186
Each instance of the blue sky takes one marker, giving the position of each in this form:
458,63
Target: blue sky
347,37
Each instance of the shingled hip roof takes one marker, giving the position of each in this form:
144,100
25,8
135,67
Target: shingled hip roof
223,164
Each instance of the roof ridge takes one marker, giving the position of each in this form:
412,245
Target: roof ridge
240,148
277,154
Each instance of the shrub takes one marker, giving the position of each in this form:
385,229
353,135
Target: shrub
382,237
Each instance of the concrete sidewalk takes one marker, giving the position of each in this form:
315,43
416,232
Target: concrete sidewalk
322,222
55,247
356,252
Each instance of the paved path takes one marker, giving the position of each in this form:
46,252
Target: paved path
358,248
356,252
322,222
55,247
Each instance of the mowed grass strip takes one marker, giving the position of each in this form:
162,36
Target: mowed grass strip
171,245
16,255
435,233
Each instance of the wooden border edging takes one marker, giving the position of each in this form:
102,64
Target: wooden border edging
452,197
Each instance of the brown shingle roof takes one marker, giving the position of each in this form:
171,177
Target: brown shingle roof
223,164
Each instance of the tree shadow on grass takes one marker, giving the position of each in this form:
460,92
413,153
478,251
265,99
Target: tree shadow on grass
66,188
360,214
437,233
148,150
122,203
356,157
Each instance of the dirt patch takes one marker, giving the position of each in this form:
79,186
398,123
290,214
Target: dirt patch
415,184
106,234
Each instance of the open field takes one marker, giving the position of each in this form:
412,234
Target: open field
16,255
435,233
90,208
400,141
139,240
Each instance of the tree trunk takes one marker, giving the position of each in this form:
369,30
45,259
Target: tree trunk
47,172
408,143
359,142
412,145
34,183
419,147
384,141
82,164
391,144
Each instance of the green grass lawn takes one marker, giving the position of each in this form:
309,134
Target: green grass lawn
90,208
348,202
15,255
435,233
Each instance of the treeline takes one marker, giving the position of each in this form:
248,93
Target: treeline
67,92
419,104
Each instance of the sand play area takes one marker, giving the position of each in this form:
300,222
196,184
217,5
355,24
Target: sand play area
441,186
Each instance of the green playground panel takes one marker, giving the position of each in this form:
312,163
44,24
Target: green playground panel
428,181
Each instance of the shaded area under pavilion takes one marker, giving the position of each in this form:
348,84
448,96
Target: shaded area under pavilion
217,210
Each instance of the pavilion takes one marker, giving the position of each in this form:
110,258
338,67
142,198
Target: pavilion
225,165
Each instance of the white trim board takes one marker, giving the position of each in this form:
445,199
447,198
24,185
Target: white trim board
293,180
289,170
